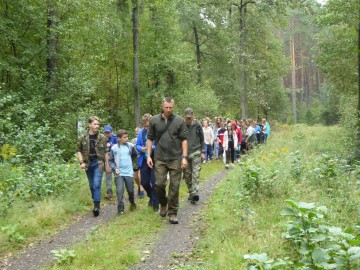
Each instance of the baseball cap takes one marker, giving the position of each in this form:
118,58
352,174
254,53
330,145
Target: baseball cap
107,129
188,112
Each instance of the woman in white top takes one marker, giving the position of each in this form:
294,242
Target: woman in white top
230,143
208,140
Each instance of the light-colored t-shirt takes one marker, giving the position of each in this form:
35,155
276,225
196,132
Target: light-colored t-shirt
126,168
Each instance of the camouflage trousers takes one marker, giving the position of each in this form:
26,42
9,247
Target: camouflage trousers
192,172
162,169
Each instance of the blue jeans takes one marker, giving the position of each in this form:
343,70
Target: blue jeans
208,152
94,176
128,181
148,182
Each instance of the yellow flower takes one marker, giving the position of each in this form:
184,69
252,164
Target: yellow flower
8,151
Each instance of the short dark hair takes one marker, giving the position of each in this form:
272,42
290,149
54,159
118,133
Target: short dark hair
168,100
121,132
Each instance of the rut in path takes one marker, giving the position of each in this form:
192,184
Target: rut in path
180,239
175,239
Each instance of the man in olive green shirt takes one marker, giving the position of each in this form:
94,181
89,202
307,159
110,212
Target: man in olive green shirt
196,155
170,133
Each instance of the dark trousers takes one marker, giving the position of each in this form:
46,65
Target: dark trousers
162,168
230,153
148,182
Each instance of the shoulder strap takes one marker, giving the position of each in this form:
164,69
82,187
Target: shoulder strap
165,129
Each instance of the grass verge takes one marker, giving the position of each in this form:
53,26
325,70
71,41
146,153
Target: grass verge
243,216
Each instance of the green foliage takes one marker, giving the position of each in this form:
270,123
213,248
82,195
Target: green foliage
35,182
13,233
64,256
318,246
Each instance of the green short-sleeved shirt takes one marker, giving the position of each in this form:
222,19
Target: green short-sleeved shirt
169,147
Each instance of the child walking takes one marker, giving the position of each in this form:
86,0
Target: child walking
121,160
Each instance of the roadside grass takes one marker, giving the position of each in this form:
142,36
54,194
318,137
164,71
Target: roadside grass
128,238
28,222
243,216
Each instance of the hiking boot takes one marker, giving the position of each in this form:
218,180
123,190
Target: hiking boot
156,208
173,219
96,210
195,198
141,194
163,209
150,204
120,212
132,206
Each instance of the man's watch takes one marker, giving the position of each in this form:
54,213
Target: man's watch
186,157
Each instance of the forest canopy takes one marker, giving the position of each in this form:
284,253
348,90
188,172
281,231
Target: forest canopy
62,61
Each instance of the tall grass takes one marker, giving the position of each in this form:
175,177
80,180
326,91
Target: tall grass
28,221
243,217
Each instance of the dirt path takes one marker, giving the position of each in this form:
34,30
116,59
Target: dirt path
40,254
175,239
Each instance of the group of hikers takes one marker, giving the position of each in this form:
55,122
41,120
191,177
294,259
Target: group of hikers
167,148
229,139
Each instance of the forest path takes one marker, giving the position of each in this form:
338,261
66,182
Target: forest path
174,243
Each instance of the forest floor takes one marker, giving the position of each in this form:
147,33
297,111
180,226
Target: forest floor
171,247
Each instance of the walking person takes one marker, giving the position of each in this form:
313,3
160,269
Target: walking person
221,132
121,158
147,173
266,128
196,154
171,134
111,140
92,152
230,144
137,174
208,140
250,136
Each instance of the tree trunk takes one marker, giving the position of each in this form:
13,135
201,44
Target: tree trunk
52,42
293,71
242,61
198,54
358,107
135,19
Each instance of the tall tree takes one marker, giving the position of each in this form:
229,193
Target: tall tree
52,40
340,47
135,20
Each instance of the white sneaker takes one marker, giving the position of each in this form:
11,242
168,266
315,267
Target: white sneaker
204,161
227,166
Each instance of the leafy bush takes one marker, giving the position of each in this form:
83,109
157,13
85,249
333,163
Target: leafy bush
317,245
35,181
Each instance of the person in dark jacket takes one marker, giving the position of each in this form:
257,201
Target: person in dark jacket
171,134
147,173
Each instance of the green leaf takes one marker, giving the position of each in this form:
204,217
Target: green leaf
355,253
319,256
288,212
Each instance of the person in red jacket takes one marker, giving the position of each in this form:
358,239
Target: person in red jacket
239,136
220,135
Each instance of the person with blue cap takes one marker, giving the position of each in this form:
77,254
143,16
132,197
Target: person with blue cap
111,140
